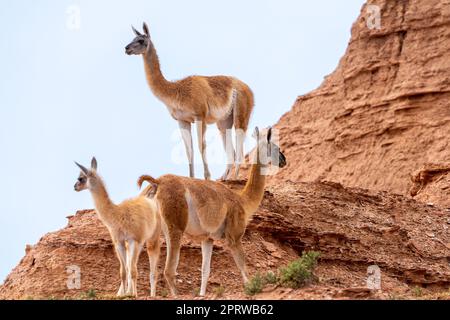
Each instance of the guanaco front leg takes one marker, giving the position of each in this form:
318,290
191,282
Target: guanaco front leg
207,248
186,135
119,246
239,259
201,132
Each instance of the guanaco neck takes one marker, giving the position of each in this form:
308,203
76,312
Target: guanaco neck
103,204
253,191
155,79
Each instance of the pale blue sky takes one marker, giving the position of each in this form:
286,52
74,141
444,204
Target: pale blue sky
70,94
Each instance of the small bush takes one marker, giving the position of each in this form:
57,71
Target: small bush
254,285
299,272
196,292
417,291
90,294
270,278
295,275
164,293
219,291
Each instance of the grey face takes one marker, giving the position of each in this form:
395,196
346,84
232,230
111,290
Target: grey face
138,46
82,182
140,43
85,175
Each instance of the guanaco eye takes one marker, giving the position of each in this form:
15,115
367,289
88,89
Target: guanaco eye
141,41
80,179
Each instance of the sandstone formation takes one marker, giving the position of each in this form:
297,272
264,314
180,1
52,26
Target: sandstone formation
352,228
385,111
431,184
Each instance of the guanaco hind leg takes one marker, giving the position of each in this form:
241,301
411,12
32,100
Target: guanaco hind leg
225,127
207,248
153,249
121,255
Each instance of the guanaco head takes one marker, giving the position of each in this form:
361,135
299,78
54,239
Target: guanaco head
140,43
87,178
269,152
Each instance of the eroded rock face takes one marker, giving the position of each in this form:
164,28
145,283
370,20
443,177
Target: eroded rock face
431,184
385,111
352,228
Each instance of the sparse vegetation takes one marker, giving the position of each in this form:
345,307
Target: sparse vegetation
270,278
295,275
299,272
164,293
196,292
417,291
254,285
219,291
90,294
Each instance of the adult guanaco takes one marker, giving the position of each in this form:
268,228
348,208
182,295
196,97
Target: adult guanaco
223,100
208,210
131,224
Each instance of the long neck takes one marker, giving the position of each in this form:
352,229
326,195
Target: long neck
158,84
253,191
103,203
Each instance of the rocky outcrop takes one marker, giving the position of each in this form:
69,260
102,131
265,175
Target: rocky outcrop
431,184
352,228
385,111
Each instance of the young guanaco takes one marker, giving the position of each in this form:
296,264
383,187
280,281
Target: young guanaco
131,224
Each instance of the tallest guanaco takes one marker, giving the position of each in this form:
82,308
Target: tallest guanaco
199,100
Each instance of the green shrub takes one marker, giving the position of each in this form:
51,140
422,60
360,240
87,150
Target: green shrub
254,285
299,272
295,275
270,278
417,291
164,293
90,294
219,291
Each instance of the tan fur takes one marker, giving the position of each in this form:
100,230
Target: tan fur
205,210
131,224
223,100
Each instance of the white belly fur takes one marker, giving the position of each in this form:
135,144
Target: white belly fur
194,227
215,113
221,112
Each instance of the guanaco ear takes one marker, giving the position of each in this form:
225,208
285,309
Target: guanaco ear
269,134
94,164
83,169
145,27
135,31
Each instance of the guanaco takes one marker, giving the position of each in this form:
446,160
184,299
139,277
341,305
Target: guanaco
209,210
202,100
131,224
